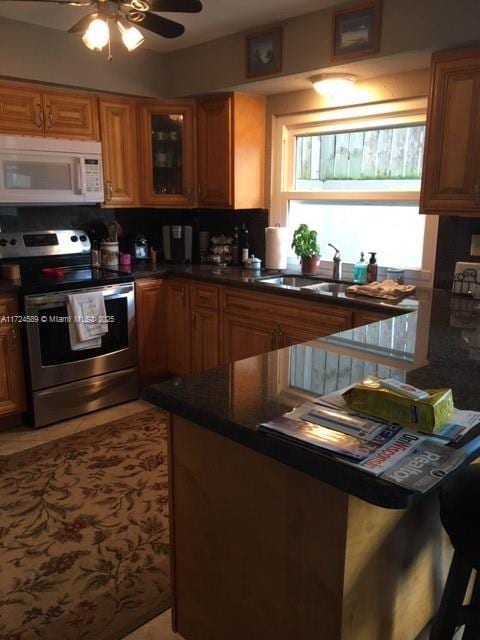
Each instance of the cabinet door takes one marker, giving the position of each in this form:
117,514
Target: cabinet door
178,341
150,314
204,339
69,115
360,318
451,176
20,110
167,153
215,171
119,145
12,385
246,337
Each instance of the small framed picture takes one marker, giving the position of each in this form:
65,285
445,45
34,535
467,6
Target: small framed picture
356,30
264,52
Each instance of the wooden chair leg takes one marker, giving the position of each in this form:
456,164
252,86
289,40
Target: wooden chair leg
472,629
452,599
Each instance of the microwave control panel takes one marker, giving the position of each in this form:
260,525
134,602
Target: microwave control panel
92,175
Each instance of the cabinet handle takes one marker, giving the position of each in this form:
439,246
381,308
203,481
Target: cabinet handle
194,319
188,192
202,297
280,339
39,116
273,340
49,116
109,186
477,190
13,339
200,190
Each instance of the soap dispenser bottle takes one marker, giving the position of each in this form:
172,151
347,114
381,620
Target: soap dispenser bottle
372,267
360,270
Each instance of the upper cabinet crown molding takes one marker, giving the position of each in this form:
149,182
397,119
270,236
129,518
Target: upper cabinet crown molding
231,151
451,170
38,110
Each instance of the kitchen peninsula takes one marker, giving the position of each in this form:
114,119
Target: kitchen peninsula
271,540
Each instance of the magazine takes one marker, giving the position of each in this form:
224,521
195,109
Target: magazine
412,460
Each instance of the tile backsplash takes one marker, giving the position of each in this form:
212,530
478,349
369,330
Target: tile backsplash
147,222
453,245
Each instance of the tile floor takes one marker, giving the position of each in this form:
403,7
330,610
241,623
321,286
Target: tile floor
24,437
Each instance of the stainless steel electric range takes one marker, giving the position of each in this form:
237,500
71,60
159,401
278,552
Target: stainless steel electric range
61,382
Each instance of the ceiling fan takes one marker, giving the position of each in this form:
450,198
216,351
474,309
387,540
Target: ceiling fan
125,14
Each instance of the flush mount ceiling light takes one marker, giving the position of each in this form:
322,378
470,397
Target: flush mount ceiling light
333,84
140,13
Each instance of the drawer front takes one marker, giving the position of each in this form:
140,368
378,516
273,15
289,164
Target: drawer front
285,310
204,296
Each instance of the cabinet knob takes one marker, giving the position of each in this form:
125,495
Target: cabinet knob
39,115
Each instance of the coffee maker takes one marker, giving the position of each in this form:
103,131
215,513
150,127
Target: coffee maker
177,243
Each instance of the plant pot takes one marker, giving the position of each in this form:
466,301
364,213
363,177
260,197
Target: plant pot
311,266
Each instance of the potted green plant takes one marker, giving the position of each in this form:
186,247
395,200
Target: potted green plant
306,247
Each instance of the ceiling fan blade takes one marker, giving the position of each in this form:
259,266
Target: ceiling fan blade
83,23
71,3
157,24
181,6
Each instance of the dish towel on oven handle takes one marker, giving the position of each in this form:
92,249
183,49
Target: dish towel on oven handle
86,327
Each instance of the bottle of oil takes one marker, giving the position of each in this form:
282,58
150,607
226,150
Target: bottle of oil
372,267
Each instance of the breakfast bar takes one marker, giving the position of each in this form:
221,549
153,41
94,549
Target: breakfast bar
310,546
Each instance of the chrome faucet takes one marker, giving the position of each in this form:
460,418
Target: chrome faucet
337,263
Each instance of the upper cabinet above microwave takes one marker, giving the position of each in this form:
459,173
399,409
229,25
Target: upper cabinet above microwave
28,110
451,170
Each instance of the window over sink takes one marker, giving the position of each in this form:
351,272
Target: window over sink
354,175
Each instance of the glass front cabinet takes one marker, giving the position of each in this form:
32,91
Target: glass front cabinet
167,153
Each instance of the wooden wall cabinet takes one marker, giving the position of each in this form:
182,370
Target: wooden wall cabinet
118,126
30,110
451,172
12,384
231,151
167,153
177,334
150,296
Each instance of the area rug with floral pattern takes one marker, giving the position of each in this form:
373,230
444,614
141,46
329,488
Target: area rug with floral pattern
84,547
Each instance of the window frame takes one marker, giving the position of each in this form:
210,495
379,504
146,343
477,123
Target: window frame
335,120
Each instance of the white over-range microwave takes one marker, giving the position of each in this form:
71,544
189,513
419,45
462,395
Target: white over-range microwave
49,171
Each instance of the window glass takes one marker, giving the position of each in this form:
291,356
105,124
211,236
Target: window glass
394,231
388,159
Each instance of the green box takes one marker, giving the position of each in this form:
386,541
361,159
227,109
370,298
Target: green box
427,415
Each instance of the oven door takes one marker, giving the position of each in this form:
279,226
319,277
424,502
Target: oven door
50,357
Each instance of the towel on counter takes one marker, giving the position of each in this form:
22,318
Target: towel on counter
387,290
86,327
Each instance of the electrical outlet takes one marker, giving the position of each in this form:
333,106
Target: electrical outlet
475,246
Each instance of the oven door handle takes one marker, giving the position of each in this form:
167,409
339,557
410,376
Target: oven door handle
33,302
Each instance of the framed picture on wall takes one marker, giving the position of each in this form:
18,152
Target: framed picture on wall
356,30
264,52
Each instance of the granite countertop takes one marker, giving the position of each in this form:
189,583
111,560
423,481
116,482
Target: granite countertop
250,279
436,346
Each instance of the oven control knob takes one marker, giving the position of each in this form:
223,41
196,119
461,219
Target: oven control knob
13,242
3,242
83,238
74,238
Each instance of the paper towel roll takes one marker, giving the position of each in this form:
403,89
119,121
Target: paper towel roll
276,247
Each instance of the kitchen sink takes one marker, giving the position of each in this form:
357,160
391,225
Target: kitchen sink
296,282
309,285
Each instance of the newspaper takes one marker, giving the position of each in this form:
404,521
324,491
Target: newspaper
412,460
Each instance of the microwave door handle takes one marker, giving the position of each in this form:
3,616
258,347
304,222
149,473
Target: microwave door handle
78,177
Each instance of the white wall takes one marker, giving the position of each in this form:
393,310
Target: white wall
40,54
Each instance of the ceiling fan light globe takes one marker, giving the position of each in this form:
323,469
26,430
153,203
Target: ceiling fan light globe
132,38
97,35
